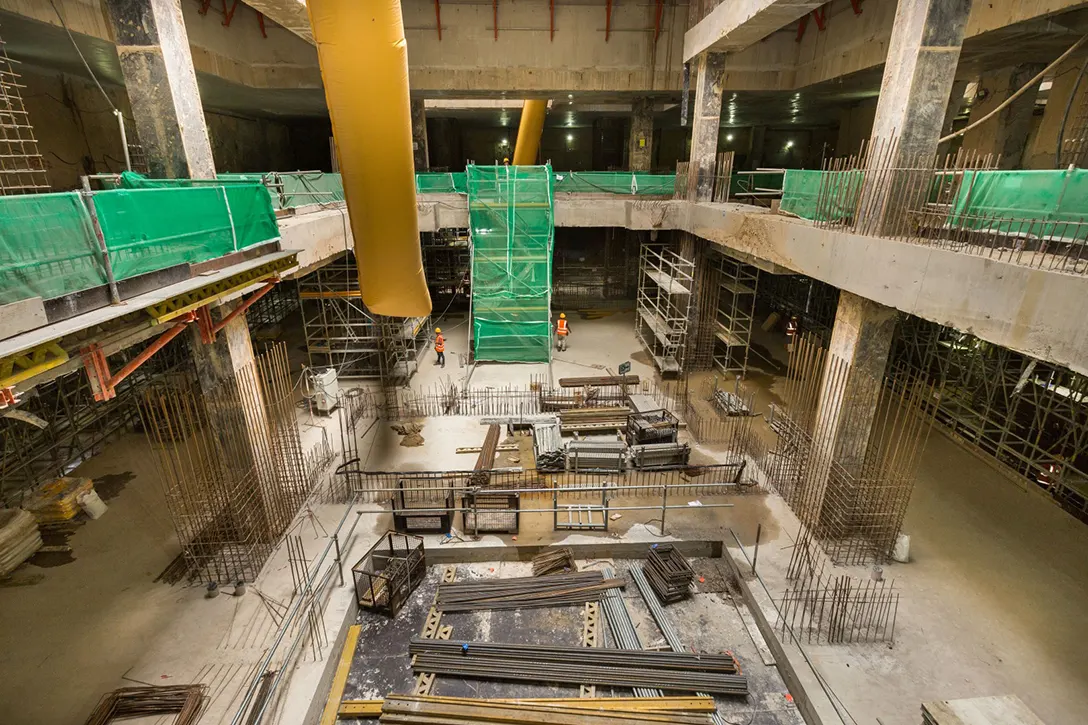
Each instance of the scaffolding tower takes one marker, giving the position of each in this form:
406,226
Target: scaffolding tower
22,170
736,311
664,306
446,262
342,333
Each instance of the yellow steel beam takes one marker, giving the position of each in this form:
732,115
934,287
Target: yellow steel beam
373,708
340,679
187,302
28,363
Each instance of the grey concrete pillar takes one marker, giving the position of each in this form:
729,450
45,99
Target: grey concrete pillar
847,403
640,147
419,135
918,74
755,147
706,121
955,105
158,69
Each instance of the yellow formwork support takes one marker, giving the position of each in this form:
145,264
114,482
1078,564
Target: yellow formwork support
340,679
28,363
187,302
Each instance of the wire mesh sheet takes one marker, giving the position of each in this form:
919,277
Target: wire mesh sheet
512,227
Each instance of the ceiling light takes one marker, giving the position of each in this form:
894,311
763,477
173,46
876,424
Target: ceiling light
789,144
570,95
728,137
570,137
503,142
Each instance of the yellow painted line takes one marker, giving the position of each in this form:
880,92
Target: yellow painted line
340,679
373,708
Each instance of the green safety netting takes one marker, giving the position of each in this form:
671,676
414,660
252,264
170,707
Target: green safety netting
1040,203
512,228
302,188
802,190
151,229
436,183
615,182
742,182
47,247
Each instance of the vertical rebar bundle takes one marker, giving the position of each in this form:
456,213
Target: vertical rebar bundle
231,465
848,448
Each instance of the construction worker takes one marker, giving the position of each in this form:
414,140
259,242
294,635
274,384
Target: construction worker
562,329
440,347
506,161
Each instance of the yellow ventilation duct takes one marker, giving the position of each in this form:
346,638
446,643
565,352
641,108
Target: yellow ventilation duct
532,124
364,63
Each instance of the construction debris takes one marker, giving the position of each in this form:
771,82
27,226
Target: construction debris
731,403
577,665
412,710
593,419
411,433
185,700
524,592
58,501
600,380
554,561
669,573
19,539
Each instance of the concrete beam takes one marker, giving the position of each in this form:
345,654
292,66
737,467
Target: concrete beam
733,26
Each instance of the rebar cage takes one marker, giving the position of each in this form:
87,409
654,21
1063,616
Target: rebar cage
389,572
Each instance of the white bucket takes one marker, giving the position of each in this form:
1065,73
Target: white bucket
91,504
901,550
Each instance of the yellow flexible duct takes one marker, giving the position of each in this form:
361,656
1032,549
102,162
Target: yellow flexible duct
364,63
529,130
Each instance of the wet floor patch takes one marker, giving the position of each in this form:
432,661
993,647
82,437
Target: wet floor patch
110,485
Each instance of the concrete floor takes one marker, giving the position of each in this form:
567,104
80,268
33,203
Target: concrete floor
990,603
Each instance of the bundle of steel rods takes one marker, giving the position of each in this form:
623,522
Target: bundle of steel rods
524,592
577,665
414,710
593,419
486,461
623,629
554,561
548,446
185,700
599,380
669,573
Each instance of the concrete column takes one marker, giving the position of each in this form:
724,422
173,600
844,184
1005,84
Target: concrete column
922,57
755,146
955,105
640,147
158,69
706,121
1007,133
847,404
419,135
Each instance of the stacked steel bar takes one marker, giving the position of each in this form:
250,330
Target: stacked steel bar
669,573
575,665
623,629
486,460
654,426
524,592
660,455
413,710
548,446
731,403
554,561
596,455
617,380
591,419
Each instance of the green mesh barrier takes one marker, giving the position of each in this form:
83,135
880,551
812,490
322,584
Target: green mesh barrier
742,182
1038,203
301,189
47,247
435,183
801,191
615,182
151,229
512,228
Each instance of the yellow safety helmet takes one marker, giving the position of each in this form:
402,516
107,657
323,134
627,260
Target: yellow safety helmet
438,329
562,315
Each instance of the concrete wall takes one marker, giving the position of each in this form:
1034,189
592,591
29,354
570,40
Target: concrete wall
247,144
524,58
855,126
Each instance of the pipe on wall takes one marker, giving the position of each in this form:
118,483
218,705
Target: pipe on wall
364,64
529,130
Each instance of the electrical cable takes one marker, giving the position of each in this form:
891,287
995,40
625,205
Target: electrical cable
80,52
1038,77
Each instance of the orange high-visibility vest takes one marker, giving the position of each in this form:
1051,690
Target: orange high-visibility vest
440,344
561,327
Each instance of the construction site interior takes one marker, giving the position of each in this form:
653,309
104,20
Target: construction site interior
572,362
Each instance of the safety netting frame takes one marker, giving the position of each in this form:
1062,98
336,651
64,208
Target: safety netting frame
512,232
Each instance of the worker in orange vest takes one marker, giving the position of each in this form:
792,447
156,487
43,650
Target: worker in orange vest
440,347
562,329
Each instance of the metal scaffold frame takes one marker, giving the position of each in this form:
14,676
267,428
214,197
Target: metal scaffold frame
1027,414
22,170
664,306
342,334
736,309
447,260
